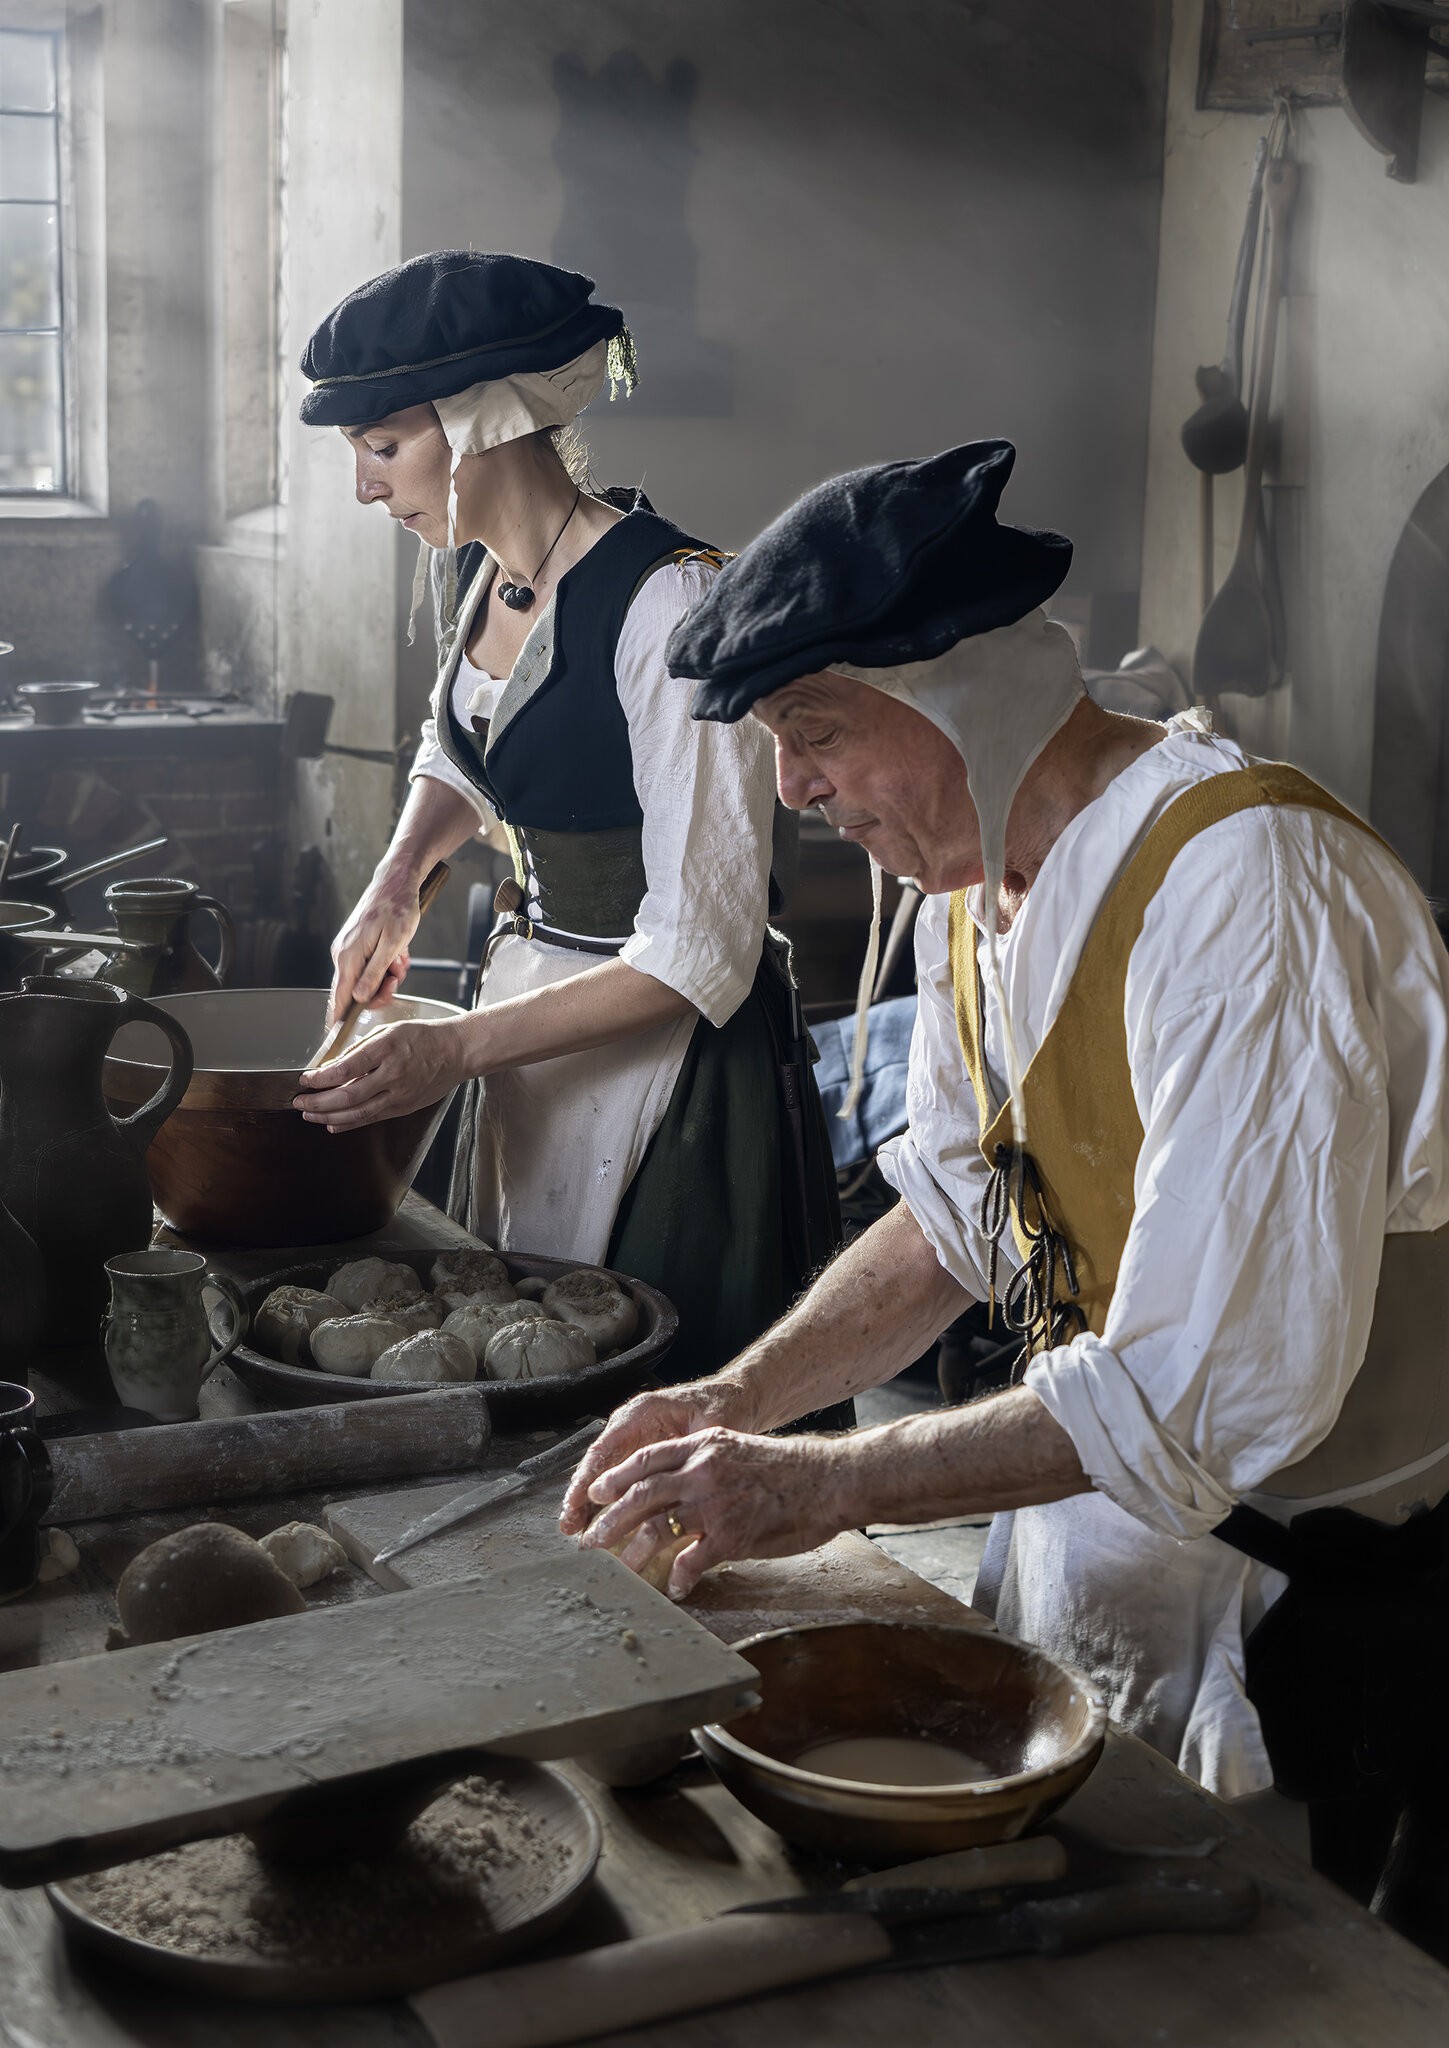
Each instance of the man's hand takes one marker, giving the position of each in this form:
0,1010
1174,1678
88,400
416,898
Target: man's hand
731,1496
370,953
402,1067
647,1419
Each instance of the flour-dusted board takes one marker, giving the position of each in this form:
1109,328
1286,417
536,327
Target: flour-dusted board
108,1758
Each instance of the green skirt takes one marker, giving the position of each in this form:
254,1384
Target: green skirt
733,1207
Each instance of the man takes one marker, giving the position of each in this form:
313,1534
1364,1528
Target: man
1179,1102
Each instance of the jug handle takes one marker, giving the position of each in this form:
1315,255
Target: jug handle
226,931
148,1119
29,1446
225,1345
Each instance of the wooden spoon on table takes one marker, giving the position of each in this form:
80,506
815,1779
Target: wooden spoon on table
340,1036
1237,643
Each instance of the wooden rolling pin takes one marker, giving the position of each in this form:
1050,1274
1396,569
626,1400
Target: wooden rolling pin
340,1036
191,1464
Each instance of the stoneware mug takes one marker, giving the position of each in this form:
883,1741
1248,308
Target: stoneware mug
25,1484
161,1339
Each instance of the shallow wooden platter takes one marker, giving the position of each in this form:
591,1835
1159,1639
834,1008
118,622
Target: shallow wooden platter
513,1404
519,1906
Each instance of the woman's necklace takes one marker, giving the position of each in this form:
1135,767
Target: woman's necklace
518,596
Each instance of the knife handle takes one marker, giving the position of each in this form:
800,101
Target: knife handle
630,1983
1167,1902
568,1453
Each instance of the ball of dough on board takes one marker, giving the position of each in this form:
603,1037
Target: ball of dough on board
476,1321
208,1576
362,1282
536,1350
304,1552
286,1319
353,1344
470,1276
595,1304
431,1355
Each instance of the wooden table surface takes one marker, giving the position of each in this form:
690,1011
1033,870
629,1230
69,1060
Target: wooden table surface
1314,1970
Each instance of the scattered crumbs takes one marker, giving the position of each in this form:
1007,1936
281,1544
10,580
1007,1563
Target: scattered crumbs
474,1857
628,1638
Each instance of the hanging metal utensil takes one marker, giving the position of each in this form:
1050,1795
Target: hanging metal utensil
1238,643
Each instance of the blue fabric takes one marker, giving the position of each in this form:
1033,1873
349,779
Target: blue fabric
440,322
881,1110
879,567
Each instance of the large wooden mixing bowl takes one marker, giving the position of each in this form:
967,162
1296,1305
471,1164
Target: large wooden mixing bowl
234,1163
1037,1726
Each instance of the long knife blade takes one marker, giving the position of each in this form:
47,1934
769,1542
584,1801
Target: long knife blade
556,1459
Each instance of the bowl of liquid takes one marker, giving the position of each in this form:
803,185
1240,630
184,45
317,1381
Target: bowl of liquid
889,1740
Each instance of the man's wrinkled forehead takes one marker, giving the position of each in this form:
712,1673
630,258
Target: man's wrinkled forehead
808,696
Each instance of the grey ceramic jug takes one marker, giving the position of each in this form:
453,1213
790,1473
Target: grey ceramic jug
71,1174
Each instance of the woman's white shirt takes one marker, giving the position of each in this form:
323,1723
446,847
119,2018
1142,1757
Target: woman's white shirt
707,792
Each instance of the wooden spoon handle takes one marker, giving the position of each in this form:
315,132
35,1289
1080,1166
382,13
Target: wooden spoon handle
340,1035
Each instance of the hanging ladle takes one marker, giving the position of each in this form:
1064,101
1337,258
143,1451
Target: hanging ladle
1215,439
1237,643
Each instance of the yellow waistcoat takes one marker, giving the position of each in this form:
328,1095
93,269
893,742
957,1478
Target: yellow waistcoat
1084,1134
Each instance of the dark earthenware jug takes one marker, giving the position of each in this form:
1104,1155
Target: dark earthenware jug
156,912
22,1299
71,1174
25,1487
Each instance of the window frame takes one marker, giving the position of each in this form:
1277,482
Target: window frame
62,490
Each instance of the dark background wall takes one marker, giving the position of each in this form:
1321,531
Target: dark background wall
843,232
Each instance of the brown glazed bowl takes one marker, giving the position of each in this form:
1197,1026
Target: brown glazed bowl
1037,1725
234,1163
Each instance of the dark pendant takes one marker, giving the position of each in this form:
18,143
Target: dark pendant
517,596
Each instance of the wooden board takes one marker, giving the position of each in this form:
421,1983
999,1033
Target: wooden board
1315,1970
1242,76
112,1757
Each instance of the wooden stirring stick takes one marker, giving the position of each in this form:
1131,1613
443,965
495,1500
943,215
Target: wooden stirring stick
338,1038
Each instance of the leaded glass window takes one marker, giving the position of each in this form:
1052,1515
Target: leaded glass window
32,372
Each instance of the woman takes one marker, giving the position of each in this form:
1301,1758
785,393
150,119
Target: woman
631,1026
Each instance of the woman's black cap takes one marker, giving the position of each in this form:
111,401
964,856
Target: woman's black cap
441,322
879,567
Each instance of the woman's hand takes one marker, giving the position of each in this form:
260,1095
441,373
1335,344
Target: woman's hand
370,953
402,1067
648,1419
729,1496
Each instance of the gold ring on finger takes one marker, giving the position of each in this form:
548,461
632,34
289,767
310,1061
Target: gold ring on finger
676,1527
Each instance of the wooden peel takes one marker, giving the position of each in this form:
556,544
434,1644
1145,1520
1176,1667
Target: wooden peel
339,1037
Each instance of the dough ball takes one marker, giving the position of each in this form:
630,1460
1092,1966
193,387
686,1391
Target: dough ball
362,1282
476,1321
208,1576
470,1276
353,1344
595,1304
61,1557
286,1319
531,1288
536,1350
423,1312
431,1355
304,1552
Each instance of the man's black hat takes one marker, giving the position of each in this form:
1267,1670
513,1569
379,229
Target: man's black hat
441,322
878,568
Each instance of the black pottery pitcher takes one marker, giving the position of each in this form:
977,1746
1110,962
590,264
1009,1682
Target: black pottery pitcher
22,1298
71,1174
